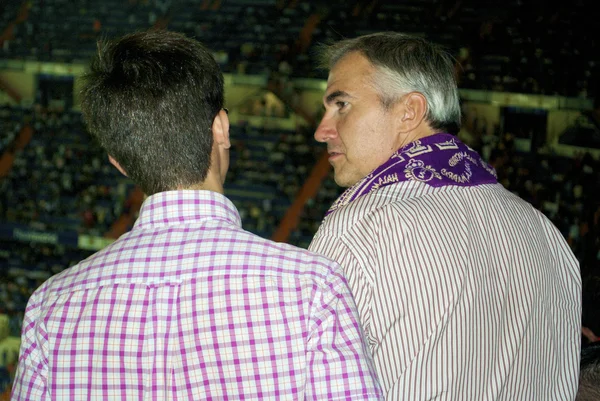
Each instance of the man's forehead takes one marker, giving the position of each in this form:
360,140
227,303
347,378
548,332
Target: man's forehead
338,72
352,67
333,84
338,86
334,95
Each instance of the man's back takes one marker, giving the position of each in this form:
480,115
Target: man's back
465,293
189,306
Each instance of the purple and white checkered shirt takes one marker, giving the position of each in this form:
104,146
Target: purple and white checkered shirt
188,306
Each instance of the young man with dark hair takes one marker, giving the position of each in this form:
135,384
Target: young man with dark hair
187,305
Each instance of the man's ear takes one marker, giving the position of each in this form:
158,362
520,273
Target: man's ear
220,130
413,109
117,165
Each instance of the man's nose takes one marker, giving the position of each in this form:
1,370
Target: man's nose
326,130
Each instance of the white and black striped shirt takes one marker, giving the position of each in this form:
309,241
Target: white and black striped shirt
465,293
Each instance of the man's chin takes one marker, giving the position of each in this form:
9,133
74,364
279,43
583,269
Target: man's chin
342,181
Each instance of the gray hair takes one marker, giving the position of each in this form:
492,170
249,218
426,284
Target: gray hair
404,64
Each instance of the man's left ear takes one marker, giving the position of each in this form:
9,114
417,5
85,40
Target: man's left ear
220,129
117,165
413,109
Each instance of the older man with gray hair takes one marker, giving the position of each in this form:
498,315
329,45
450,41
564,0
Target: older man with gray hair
465,291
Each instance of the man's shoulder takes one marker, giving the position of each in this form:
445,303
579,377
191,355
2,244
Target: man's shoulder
235,252
65,280
405,201
370,205
296,261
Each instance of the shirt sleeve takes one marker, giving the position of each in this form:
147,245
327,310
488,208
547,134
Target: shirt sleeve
32,371
340,366
357,271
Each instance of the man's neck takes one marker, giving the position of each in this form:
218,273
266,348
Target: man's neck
416,135
209,184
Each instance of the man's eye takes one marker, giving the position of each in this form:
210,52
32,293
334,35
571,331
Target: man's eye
341,105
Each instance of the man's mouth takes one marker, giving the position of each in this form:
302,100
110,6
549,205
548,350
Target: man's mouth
333,155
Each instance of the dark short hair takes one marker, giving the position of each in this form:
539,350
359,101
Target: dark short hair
406,63
589,377
150,99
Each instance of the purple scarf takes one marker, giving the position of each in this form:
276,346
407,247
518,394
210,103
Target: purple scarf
437,160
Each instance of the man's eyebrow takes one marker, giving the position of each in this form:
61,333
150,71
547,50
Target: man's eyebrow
336,94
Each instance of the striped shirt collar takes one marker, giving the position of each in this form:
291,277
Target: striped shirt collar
185,206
